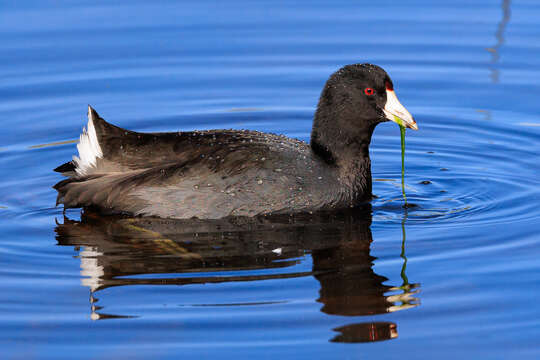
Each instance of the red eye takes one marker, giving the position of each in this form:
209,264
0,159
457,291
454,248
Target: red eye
369,91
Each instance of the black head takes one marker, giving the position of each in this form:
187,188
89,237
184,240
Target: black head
354,100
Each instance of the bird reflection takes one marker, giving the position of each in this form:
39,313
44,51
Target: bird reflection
120,251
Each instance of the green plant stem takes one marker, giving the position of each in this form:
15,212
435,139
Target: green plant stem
402,130
405,284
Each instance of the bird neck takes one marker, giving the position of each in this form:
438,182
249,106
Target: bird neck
349,153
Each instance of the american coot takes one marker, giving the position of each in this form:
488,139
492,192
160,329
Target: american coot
220,173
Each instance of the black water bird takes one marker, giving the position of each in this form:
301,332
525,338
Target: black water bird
219,173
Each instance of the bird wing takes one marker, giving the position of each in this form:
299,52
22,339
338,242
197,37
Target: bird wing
205,174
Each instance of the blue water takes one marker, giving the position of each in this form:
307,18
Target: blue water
455,277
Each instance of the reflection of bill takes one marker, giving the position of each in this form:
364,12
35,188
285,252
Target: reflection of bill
116,251
366,332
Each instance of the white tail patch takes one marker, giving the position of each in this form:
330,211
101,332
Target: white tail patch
88,147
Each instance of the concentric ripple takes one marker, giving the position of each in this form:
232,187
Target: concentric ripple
463,170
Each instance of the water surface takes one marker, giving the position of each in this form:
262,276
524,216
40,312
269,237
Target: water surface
455,276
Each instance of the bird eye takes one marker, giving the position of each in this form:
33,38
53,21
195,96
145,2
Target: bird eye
369,91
